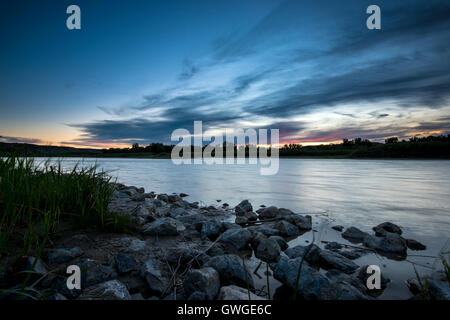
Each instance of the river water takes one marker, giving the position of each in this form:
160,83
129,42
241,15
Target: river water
414,194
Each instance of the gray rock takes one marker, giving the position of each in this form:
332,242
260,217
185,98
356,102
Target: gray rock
354,234
163,197
186,257
124,263
62,255
302,222
245,218
243,207
333,246
137,245
390,243
173,198
164,227
233,292
156,281
332,260
287,229
387,226
268,250
268,213
198,296
281,242
179,212
311,253
110,290
338,228
93,273
266,230
211,229
257,237
438,290
231,270
415,245
239,238
204,280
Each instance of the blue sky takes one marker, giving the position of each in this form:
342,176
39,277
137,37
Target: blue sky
138,70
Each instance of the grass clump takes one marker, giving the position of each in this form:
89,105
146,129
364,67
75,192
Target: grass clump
35,198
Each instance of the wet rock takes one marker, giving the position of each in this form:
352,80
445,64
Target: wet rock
245,218
124,263
333,246
186,256
239,238
204,280
237,293
302,222
333,260
387,226
268,213
311,253
286,229
110,290
195,221
62,255
281,242
131,191
415,245
268,250
231,270
354,234
311,284
338,228
183,195
137,245
163,197
211,229
342,290
265,229
164,227
257,237
178,212
438,290
173,198
152,204
243,207
151,272
93,273
390,243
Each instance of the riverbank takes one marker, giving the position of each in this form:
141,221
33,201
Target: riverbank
175,249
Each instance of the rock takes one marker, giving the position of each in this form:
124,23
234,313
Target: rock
287,229
333,246
264,229
120,195
57,297
243,207
137,245
131,191
257,237
363,276
198,296
173,198
268,213
137,296
354,234
237,293
163,197
178,212
110,290
390,243
239,238
152,204
342,290
311,284
204,280
415,245
183,195
25,265
164,227
62,255
195,221
281,242
387,226
156,281
438,290
247,217
211,230
311,253
124,263
332,260
302,222
268,250
229,225
231,270
93,273
338,228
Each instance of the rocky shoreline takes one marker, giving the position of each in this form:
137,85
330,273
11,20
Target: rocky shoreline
178,250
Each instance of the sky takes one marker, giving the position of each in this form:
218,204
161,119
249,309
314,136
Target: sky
138,70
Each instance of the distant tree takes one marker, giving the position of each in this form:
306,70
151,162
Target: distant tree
391,140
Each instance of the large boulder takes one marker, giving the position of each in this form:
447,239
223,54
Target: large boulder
267,230
387,227
281,242
211,229
268,213
237,293
151,272
354,234
124,263
332,260
302,222
390,243
245,218
243,207
164,227
268,250
239,238
110,290
204,280
62,255
310,253
231,270
415,245
287,229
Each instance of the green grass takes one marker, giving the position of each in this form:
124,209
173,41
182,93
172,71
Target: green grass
36,198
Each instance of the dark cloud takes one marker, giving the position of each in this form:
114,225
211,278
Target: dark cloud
20,140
